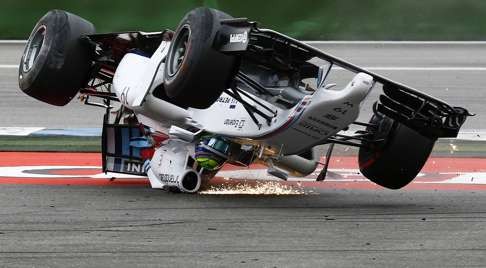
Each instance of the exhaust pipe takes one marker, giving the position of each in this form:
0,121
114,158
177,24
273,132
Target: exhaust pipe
190,182
296,165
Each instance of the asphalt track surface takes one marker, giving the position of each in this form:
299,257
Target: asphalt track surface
454,72
57,210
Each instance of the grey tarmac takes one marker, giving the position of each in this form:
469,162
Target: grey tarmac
71,226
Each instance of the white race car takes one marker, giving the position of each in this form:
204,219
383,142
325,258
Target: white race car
222,90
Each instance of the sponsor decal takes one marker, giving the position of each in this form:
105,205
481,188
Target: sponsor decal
133,167
346,106
166,178
236,123
310,130
229,100
319,127
239,37
322,122
305,133
224,99
331,117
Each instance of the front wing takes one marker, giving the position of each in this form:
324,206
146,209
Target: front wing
426,114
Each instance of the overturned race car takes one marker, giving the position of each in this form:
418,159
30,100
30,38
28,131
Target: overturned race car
179,105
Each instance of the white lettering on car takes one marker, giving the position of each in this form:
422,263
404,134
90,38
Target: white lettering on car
239,37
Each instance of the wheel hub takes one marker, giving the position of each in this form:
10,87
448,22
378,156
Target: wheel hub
33,48
179,51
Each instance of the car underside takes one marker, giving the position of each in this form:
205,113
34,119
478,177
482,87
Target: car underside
221,90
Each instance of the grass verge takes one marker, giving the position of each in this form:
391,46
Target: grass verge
304,19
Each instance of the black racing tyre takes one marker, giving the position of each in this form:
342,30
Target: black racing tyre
195,74
397,160
55,64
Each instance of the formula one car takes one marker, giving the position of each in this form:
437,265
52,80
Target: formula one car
222,90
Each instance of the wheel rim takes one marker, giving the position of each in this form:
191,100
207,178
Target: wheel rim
33,48
179,50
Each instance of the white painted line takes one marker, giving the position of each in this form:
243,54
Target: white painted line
426,68
466,135
38,172
9,66
472,136
370,68
13,42
339,42
396,42
19,131
468,178
414,68
343,42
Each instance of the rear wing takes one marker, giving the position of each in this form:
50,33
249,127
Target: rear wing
118,155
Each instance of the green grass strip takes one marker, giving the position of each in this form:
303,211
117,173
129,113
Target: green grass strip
304,19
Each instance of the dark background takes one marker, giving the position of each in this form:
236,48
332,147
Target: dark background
304,19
